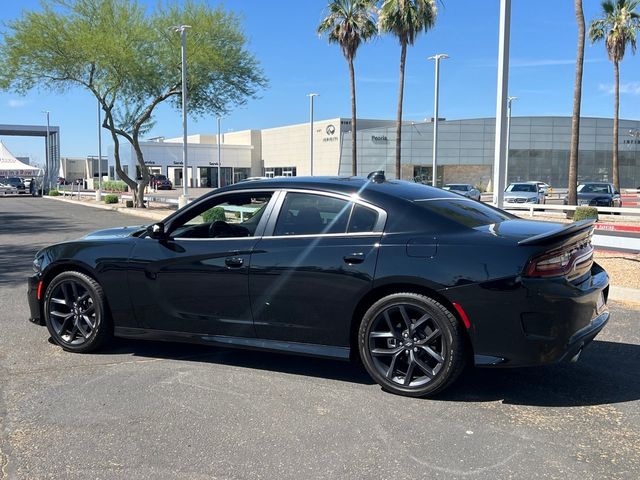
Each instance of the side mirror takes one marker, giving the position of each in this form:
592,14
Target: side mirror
156,231
616,192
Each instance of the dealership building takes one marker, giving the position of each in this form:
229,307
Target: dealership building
539,150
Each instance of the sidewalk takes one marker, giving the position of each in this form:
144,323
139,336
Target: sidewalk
155,212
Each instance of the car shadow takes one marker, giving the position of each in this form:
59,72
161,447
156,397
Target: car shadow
607,372
277,362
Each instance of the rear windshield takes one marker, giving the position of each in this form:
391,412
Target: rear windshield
465,212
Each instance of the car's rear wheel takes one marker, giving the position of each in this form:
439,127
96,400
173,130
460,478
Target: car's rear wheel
411,344
75,313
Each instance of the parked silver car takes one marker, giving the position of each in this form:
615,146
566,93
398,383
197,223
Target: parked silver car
463,189
524,192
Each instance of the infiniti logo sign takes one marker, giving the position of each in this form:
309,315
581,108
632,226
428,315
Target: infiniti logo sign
331,129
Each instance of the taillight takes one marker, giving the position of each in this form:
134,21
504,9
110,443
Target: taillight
572,261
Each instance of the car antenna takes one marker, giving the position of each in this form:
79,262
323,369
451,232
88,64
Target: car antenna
377,176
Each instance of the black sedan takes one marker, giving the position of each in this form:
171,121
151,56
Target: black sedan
598,194
414,281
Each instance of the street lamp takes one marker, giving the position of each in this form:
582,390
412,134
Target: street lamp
47,171
506,157
219,153
436,95
311,96
183,200
99,190
502,87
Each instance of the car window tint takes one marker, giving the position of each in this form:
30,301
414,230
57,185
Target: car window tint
466,212
229,216
309,214
363,219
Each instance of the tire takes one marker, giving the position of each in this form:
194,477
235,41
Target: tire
75,312
436,348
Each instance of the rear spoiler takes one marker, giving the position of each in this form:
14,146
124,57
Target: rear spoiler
561,233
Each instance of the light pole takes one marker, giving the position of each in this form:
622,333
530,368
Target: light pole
501,103
506,157
219,153
184,199
311,96
436,95
47,171
99,190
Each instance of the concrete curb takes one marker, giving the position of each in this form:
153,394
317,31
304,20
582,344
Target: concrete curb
128,211
624,294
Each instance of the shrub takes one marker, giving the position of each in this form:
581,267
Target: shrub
214,214
481,188
114,186
111,199
129,203
54,193
585,212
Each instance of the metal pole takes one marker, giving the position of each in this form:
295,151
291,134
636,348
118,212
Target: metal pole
47,176
436,96
99,193
311,95
183,52
501,103
506,160
219,154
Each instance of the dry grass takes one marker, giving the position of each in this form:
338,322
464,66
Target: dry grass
623,268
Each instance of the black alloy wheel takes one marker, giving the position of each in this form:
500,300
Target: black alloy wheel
74,312
411,344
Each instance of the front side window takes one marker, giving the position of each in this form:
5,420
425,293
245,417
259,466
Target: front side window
230,216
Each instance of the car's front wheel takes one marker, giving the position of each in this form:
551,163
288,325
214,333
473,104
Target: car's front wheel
411,344
75,312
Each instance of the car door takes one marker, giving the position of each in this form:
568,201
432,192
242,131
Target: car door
312,266
194,279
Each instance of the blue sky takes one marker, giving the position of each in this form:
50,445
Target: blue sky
296,61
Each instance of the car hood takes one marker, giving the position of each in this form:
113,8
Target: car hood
119,232
520,194
591,196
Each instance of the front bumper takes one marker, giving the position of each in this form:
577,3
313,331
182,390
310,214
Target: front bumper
522,322
35,311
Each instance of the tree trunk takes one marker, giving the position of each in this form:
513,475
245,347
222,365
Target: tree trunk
577,98
403,56
616,113
108,123
354,158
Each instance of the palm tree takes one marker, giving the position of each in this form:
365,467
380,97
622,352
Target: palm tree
618,27
405,19
349,23
577,98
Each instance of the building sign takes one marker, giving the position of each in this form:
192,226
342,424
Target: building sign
215,164
331,130
379,138
175,162
632,142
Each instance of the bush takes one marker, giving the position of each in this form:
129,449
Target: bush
111,199
129,203
481,188
114,186
54,193
582,213
214,214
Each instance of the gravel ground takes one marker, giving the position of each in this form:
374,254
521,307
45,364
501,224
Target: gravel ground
623,268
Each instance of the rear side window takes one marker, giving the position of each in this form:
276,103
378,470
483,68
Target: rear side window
309,214
465,212
363,219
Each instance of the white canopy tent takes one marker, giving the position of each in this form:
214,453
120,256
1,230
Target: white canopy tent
10,166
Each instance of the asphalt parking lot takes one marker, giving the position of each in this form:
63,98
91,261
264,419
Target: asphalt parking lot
154,410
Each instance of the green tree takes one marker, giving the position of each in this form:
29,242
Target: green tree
405,19
618,27
577,99
130,61
349,23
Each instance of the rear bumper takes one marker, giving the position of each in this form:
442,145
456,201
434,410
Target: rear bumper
35,313
529,322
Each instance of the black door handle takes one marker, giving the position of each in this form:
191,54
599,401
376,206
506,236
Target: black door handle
354,258
233,262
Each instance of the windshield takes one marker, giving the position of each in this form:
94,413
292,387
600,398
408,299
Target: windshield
161,177
459,187
593,188
522,187
465,212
